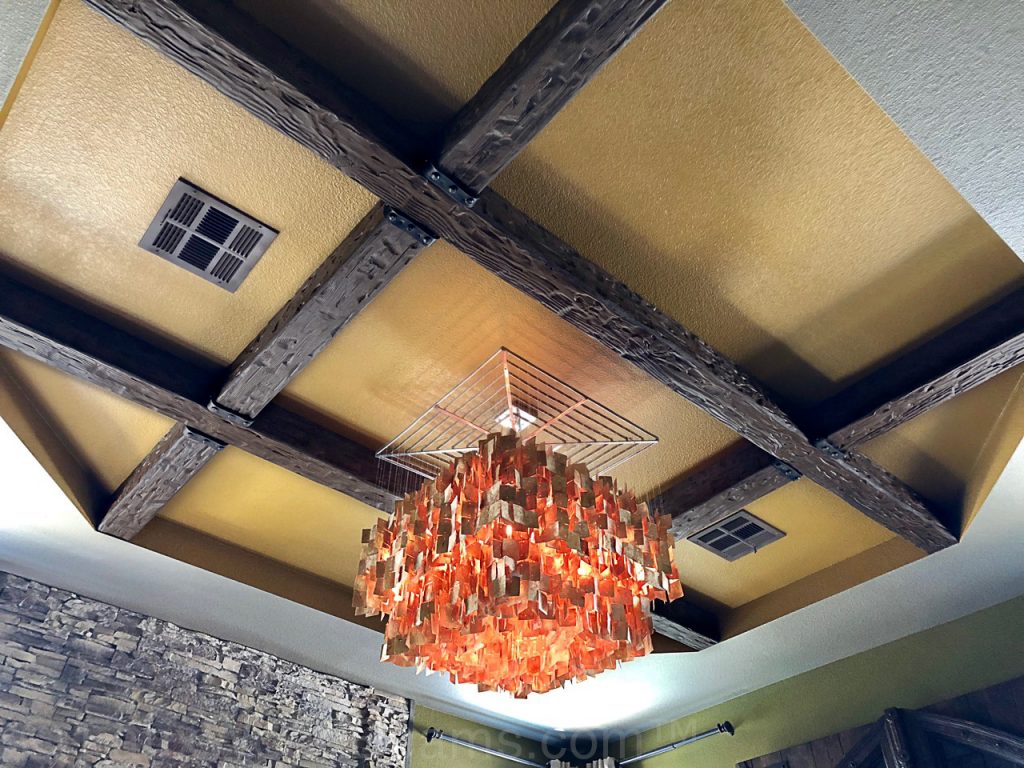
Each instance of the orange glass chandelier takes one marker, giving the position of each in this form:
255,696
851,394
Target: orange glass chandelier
516,571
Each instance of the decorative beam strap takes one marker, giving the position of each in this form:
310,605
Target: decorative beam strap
260,73
93,351
450,186
410,227
864,751
351,277
560,55
685,623
175,460
1000,744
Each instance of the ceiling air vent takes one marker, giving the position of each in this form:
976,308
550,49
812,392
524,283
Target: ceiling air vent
206,236
737,535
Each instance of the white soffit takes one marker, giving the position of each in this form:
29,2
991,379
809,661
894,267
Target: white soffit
950,73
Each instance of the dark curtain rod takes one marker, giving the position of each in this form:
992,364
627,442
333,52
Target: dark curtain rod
725,727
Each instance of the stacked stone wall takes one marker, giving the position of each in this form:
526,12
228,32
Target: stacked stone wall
84,683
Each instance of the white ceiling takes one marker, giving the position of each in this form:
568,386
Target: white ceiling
21,20
951,74
42,536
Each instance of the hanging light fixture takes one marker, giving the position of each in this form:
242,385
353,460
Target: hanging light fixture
516,570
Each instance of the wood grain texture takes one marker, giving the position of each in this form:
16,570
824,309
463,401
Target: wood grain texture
723,486
992,741
79,344
261,74
686,623
865,750
964,356
682,633
879,495
351,277
551,65
175,460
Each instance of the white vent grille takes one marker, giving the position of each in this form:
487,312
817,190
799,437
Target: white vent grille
737,535
206,236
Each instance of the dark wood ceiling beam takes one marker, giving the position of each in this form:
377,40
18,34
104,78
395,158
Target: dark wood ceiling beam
175,460
550,66
77,343
965,356
351,277
686,623
560,55
573,41
263,75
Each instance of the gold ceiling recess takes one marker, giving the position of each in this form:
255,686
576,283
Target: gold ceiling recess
508,392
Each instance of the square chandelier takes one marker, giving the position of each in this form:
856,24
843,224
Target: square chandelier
518,564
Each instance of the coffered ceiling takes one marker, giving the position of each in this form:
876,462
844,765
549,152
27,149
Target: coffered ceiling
723,166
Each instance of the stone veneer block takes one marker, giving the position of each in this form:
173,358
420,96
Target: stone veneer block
83,683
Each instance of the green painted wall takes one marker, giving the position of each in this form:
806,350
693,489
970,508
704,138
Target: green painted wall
974,652
440,753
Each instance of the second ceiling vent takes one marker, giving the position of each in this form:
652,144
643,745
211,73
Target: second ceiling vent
206,236
737,535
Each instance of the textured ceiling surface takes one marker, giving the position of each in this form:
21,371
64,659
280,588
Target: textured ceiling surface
100,131
270,511
723,165
109,435
727,168
419,60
